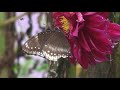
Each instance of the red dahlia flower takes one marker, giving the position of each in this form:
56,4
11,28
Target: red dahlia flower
90,34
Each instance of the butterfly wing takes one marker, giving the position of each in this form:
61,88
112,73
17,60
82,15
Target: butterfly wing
49,44
56,46
35,44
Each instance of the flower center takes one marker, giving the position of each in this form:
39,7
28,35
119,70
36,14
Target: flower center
65,23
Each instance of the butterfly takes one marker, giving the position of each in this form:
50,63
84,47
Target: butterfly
50,44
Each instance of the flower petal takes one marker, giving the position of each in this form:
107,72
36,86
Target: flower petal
75,32
114,31
80,17
97,21
104,14
97,54
83,42
84,61
101,40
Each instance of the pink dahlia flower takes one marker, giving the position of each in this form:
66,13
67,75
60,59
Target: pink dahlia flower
90,34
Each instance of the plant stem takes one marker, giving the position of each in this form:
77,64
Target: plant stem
58,69
52,72
12,19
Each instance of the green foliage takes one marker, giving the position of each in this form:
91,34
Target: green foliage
42,67
117,60
117,49
2,38
116,17
22,70
4,73
2,16
2,43
25,68
15,68
72,71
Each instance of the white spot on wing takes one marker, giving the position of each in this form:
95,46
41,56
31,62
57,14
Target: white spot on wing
48,51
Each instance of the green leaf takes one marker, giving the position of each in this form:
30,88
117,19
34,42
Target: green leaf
72,71
25,68
15,68
2,36
41,68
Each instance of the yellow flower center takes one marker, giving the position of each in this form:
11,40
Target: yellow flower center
65,23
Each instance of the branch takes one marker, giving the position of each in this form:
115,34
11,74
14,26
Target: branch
13,19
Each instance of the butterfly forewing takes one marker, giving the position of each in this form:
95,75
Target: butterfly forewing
43,37
35,44
56,46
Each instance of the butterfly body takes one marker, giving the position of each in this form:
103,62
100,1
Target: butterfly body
51,45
